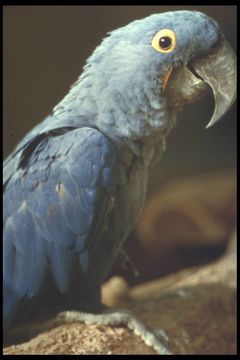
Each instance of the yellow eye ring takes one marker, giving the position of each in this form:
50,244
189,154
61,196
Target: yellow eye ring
164,41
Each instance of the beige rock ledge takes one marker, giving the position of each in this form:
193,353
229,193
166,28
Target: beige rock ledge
194,310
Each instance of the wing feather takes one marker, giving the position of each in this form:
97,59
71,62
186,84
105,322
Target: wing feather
61,195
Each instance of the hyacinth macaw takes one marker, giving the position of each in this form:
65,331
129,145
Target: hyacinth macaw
75,185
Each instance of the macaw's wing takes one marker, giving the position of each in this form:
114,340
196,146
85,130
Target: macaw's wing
55,206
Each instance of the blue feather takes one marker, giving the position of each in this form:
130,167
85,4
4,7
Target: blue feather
49,226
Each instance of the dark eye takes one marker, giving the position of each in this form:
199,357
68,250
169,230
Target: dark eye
165,42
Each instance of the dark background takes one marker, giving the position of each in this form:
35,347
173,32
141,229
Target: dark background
45,48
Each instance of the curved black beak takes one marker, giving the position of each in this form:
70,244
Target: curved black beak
218,70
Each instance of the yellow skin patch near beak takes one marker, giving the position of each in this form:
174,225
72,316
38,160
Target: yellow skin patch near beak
166,76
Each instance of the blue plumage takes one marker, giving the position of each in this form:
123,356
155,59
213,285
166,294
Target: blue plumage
75,185
48,228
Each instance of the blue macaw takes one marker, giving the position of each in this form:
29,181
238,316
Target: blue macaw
76,183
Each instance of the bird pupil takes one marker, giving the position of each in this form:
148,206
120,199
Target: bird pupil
165,42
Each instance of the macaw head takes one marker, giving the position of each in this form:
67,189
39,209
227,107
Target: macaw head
144,71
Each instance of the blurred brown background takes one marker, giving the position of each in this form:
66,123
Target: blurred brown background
45,48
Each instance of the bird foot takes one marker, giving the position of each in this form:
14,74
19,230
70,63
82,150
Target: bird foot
116,318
